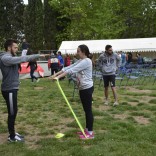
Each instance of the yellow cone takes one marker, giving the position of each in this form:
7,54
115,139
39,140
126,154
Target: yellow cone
59,135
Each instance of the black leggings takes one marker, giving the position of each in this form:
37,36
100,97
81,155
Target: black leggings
11,101
32,75
54,70
86,99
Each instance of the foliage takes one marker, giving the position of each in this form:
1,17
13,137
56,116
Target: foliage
33,24
11,19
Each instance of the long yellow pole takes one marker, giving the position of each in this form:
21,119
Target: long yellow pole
79,124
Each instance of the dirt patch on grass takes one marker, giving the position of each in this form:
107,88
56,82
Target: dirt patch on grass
38,88
141,99
66,120
32,141
3,138
99,117
61,128
146,99
141,120
103,108
133,103
87,147
134,90
120,116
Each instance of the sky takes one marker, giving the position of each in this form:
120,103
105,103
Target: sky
25,1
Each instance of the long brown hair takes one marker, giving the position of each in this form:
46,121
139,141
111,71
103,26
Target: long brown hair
85,50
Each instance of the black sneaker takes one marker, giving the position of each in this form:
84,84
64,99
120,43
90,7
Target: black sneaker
19,135
15,139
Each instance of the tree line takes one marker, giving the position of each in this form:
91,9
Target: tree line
45,25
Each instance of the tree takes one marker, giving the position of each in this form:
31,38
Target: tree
33,24
139,18
90,19
11,25
50,26
106,19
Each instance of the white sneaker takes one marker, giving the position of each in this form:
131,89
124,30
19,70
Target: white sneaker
106,102
38,80
19,135
115,103
16,139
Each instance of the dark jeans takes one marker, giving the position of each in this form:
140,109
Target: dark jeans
60,68
54,70
32,75
86,99
11,101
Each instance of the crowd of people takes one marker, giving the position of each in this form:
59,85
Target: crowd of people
56,62
127,58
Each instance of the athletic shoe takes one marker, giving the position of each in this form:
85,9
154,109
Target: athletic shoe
19,135
15,139
88,136
37,80
106,102
85,131
115,103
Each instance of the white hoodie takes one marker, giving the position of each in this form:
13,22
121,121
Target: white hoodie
83,70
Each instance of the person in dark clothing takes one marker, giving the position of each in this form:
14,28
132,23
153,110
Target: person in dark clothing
9,65
129,58
33,67
140,60
25,47
53,63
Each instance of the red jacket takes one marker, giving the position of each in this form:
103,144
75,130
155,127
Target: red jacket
67,61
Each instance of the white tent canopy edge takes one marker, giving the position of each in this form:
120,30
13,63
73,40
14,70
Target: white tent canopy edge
97,46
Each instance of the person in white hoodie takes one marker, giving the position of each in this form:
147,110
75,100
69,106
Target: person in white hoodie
108,63
83,69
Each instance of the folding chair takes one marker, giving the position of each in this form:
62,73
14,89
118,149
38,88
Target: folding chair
154,80
100,80
154,75
120,76
146,74
72,79
96,75
75,88
132,75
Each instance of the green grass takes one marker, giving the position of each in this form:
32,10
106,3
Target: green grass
119,131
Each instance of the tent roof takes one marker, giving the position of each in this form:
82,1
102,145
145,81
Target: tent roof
126,45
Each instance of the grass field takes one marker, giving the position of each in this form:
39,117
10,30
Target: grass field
126,130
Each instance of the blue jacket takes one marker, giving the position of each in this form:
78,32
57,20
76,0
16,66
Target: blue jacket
61,60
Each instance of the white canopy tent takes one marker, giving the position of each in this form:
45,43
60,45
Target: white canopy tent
126,45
